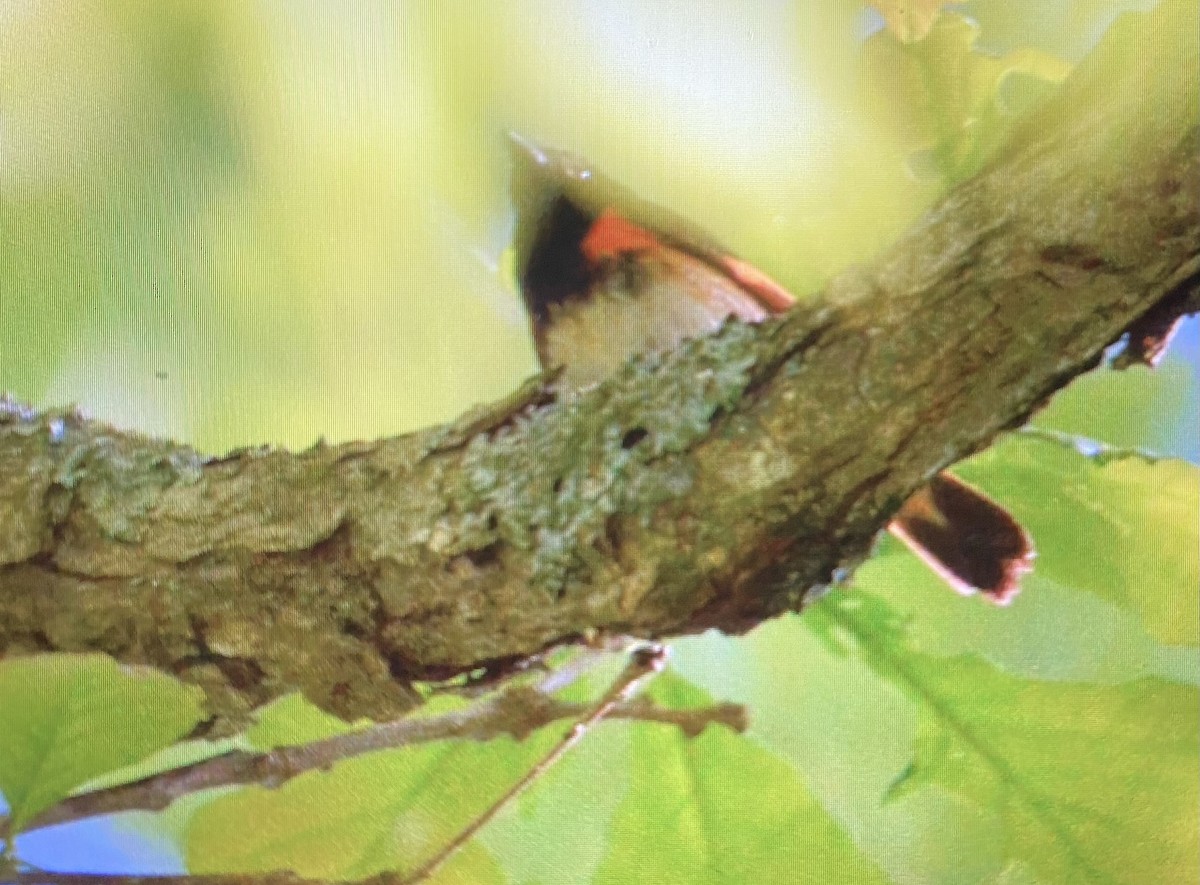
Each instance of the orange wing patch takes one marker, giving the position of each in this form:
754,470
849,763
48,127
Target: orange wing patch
772,295
611,235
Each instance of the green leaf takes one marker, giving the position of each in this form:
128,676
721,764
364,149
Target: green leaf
1087,783
70,718
954,104
1118,525
947,769
561,829
382,811
1066,28
472,865
719,809
1111,595
290,721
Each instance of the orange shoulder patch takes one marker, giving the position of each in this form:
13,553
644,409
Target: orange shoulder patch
611,235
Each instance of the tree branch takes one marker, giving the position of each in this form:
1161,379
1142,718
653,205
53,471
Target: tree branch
518,711
716,486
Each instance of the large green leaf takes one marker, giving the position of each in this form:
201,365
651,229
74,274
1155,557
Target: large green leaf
720,809
65,719
380,811
1082,782
1120,526
1067,28
946,769
952,105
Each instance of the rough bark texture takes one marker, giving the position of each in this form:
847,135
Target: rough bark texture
717,486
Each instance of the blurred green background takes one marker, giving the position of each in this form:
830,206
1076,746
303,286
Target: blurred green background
237,222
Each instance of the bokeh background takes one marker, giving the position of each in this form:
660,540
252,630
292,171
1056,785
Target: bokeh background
236,223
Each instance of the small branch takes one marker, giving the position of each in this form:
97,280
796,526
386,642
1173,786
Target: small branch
517,710
616,701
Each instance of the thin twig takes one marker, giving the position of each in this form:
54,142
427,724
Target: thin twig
643,662
516,711
617,701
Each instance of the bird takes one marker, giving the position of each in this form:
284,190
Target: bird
605,276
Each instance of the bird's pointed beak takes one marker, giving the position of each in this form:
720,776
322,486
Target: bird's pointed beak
526,151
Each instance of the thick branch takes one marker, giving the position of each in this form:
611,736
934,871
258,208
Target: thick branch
715,487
